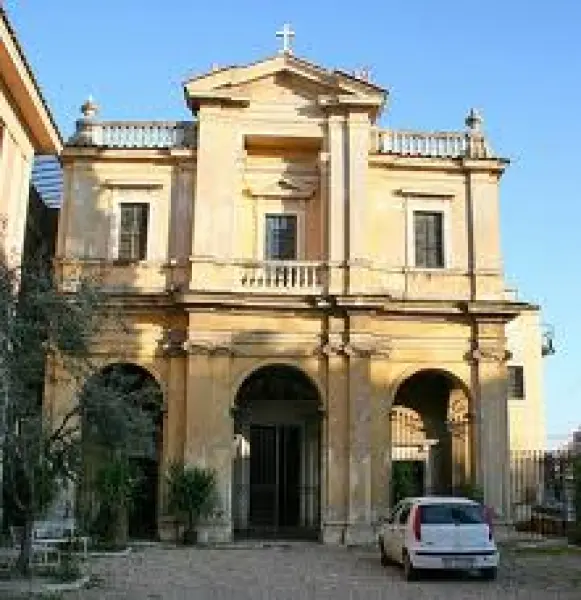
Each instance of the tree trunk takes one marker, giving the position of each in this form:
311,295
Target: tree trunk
191,534
25,557
121,519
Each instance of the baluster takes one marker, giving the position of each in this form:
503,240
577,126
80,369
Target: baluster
97,135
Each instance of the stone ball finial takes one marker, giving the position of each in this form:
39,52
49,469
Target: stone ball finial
89,108
474,120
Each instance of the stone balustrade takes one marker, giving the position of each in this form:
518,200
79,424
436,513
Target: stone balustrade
147,134
284,277
431,144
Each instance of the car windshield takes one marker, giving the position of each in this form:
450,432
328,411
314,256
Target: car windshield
452,514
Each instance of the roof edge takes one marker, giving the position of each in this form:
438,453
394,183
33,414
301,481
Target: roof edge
28,68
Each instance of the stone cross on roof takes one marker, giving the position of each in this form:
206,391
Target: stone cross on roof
287,35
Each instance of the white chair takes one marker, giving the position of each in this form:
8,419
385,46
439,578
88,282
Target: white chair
41,552
60,532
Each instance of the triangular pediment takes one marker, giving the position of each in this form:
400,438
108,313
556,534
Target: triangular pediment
284,78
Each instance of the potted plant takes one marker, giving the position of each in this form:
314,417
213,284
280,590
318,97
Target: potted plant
191,496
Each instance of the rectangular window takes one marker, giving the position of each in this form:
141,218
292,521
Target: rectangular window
452,514
281,237
429,239
133,231
516,382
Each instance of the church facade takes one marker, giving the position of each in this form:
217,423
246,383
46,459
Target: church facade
321,301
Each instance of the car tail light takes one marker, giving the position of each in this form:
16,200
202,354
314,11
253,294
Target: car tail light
417,523
488,519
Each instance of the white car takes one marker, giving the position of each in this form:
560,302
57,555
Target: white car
439,533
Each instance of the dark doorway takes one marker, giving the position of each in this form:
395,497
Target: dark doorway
274,477
276,471
142,516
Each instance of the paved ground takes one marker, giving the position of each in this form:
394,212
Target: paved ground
312,571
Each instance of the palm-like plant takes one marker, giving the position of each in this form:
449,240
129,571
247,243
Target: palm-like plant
191,495
114,484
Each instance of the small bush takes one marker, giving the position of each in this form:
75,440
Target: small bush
192,495
471,491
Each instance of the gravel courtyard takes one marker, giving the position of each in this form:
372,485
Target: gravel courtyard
312,571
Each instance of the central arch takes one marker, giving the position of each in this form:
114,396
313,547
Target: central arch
276,471
431,433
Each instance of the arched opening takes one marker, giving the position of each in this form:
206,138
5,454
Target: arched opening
431,435
276,471
131,432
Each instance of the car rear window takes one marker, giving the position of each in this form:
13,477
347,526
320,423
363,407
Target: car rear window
452,514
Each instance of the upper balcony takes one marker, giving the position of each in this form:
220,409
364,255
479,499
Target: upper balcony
131,134
470,144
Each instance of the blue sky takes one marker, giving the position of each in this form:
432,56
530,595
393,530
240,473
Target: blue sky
518,61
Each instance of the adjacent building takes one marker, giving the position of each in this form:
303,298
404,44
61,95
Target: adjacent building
27,133
27,129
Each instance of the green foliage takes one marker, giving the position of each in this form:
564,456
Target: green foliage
191,493
69,568
114,484
403,480
472,491
44,331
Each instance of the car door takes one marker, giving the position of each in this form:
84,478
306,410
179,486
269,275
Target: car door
399,531
388,530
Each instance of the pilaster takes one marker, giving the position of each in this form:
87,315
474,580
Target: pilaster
336,202
334,514
359,522
218,173
358,143
209,430
489,357
485,257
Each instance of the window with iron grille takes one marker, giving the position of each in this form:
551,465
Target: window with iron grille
133,231
429,239
516,382
281,237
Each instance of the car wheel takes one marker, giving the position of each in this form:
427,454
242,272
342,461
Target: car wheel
489,574
409,572
384,558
